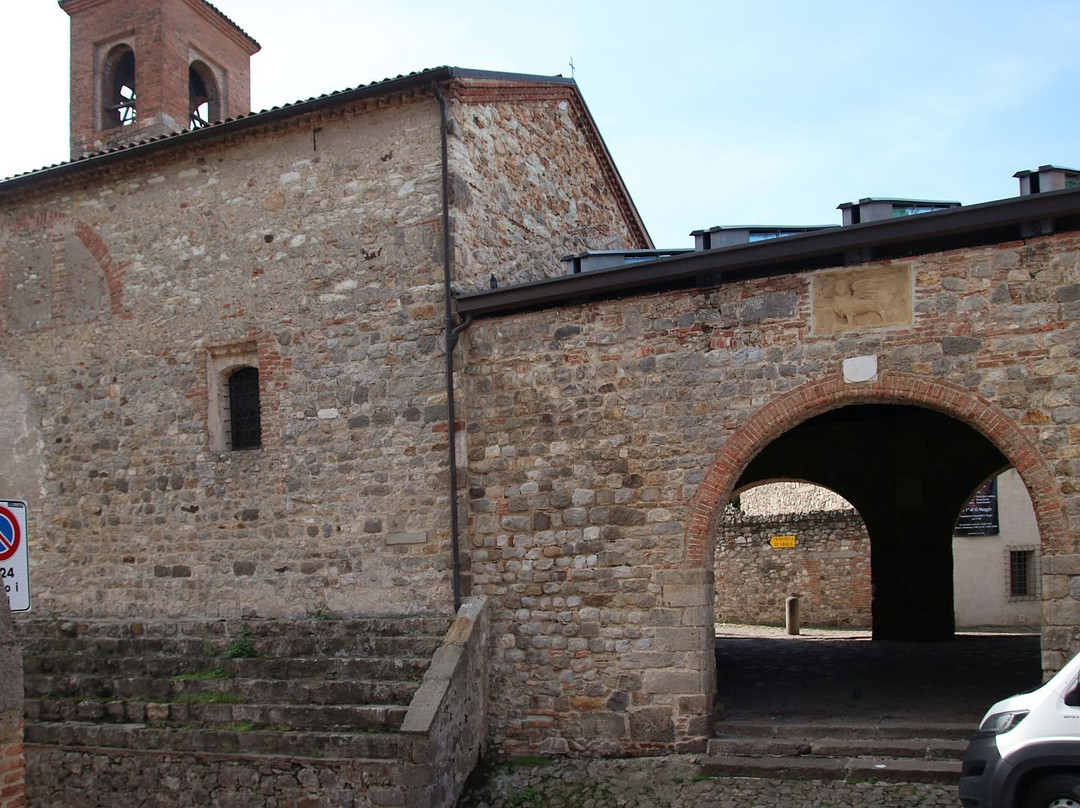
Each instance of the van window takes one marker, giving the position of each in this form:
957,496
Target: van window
1072,698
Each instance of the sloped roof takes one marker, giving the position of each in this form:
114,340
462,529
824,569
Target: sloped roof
387,86
239,30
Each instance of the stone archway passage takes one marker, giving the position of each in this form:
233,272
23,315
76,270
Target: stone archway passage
908,470
907,453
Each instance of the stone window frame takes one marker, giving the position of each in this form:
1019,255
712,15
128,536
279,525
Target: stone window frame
222,361
1031,588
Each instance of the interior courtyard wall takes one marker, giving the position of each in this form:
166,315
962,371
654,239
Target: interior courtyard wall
592,427
826,566
981,564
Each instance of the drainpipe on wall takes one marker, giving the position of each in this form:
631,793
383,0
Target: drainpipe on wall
451,334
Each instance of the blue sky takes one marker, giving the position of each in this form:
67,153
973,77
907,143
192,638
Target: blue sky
715,112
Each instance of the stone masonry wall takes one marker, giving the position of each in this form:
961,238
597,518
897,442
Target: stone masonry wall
182,780
828,569
448,714
529,184
311,249
315,247
602,436
12,721
602,441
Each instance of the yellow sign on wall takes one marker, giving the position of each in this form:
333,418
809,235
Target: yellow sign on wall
782,541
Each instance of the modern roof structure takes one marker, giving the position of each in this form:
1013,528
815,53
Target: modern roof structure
951,228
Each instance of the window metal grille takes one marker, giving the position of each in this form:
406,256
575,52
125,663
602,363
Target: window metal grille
1023,574
245,422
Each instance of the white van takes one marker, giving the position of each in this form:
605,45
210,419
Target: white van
1026,753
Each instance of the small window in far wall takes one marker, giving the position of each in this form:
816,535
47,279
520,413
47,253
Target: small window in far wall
1023,573
245,422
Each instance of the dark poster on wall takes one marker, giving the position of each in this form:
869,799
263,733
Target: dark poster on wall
980,516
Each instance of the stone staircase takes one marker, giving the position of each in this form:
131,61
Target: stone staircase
319,701
838,749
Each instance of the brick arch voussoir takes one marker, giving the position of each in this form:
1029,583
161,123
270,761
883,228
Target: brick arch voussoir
69,225
791,409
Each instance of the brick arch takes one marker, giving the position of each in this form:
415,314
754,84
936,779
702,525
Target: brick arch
792,408
56,223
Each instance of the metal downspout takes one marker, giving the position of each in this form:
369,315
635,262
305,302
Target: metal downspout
451,335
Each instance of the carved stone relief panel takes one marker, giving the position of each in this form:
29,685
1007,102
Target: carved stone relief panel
856,299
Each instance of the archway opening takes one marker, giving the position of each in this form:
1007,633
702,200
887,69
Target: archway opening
204,97
908,471
118,90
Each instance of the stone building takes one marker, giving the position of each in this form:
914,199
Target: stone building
307,244
900,363
250,368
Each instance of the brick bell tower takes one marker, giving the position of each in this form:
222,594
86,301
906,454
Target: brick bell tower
145,68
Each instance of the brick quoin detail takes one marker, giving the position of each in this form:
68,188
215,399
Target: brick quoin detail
13,769
791,409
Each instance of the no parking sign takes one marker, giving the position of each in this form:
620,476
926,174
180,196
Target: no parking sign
14,565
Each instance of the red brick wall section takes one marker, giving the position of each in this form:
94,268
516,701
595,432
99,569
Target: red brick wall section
12,764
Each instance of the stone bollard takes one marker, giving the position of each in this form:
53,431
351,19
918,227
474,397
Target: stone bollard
791,615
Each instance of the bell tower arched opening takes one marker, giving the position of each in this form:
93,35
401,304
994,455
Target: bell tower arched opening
191,65
204,96
118,88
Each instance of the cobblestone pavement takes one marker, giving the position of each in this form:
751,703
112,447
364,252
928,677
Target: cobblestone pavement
675,782
820,674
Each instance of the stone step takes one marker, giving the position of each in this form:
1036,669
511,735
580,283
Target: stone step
248,690
887,749
200,714
913,748
262,668
236,741
905,770
884,728
27,629
386,646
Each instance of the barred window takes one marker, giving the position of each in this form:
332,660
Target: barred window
1023,573
245,422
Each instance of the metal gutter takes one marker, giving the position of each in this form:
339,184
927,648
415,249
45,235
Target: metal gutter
450,336
857,242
